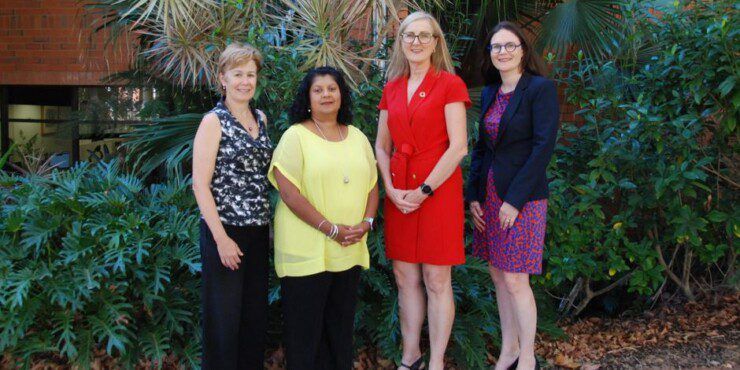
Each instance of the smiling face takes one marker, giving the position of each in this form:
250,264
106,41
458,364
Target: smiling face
505,60
240,81
325,95
418,32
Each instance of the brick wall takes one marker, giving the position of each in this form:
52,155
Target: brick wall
50,42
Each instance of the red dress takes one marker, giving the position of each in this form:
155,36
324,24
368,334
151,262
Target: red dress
433,233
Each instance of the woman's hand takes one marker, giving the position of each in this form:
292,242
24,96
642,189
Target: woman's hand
507,215
415,196
229,252
355,234
398,196
348,235
477,213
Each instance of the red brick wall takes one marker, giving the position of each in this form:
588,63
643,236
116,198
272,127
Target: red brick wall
50,42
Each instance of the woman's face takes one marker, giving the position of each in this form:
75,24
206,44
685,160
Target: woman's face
325,96
506,51
418,41
240,81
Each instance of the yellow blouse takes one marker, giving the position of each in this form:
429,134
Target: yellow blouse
319,168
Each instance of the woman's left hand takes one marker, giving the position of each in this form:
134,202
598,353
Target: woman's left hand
415,196
507,215
356,233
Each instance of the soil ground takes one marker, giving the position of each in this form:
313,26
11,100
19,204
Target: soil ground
688,335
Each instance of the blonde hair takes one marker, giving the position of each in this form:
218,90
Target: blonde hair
441,60
236,54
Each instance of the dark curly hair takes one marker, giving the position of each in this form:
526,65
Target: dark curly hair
302,101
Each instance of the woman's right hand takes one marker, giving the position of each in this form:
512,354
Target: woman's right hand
397,197
348,235
229,252
477,213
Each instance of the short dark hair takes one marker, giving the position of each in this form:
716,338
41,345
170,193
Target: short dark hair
531,61
302,101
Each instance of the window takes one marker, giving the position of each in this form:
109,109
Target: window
69,123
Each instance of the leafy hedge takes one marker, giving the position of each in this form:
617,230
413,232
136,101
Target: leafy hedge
94,262
92,259
643,196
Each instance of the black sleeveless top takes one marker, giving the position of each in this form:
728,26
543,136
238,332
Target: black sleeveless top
239,184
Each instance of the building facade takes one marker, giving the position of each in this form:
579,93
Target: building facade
55,96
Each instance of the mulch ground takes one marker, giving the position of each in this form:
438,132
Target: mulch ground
702,334
691,335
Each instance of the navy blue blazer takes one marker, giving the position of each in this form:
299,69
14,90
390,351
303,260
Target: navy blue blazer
522,151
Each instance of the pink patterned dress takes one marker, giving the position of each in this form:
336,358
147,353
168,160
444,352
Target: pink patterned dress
518,249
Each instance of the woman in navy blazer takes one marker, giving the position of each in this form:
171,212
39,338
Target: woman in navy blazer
507,185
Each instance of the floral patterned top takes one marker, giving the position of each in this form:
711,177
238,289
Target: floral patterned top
239,184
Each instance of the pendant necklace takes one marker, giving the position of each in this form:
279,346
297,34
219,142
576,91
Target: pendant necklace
341,136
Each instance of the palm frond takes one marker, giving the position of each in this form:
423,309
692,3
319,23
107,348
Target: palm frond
593,26
325,27
167,141
164,10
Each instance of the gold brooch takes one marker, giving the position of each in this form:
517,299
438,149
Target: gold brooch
422,94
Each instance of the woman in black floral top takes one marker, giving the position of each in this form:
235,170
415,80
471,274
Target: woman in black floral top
231,155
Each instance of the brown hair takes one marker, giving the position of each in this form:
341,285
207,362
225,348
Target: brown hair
531,61
236,54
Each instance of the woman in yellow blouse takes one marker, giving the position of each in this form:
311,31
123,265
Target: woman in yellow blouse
325,171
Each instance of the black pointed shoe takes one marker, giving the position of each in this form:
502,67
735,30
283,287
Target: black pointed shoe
417,365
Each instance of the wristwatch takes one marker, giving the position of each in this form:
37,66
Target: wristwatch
426,189
369,220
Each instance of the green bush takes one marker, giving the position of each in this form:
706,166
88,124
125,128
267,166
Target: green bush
641,195
94,262
91,259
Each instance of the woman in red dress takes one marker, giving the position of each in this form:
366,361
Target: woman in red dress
421,141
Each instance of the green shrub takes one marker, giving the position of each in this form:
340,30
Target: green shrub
641,194
94,262
92,259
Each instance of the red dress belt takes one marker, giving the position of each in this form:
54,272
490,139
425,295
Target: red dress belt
404,154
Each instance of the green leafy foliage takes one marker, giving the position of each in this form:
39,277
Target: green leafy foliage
93,259
642,191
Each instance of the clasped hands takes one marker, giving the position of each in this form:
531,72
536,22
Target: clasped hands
347,235
406,201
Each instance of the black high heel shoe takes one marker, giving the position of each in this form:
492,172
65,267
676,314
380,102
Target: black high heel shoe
417,365
516,362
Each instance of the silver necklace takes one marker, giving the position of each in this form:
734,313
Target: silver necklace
341,136
247,123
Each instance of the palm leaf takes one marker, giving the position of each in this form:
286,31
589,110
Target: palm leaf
167,141
560,26
594,26
164,10
4,158
325,26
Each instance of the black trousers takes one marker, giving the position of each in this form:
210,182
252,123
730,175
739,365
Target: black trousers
234,303
319,314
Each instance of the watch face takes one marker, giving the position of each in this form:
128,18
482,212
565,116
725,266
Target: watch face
426,189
